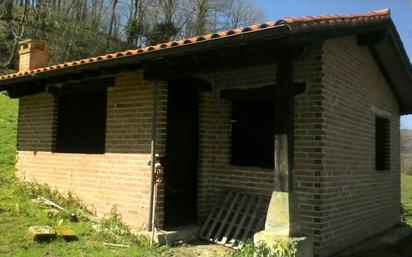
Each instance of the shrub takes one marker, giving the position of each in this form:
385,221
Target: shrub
280,249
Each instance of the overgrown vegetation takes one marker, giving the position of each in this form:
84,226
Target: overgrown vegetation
407,198
18,212
249,249
279,249
8,128
406,151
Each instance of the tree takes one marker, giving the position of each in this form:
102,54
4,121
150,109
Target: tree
164,28
112,21
135,24
201,18
17,35
6,9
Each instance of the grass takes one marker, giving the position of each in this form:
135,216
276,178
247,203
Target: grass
8,127
18,212
407,198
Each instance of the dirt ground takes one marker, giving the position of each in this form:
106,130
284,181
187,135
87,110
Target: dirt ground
200,249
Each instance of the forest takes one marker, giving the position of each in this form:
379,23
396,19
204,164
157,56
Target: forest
80,28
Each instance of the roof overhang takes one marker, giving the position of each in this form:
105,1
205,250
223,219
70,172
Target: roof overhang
394,64
128,62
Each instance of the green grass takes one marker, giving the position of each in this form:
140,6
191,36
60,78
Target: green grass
407,198
17,213
8,127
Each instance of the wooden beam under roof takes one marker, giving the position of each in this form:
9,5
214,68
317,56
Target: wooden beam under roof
263,92
81,81
215,61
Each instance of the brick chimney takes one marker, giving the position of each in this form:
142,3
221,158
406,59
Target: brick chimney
33,54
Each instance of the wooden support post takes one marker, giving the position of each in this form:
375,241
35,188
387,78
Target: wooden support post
281,163
283,213
284,125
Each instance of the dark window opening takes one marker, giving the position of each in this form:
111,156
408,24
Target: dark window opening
253,129
81,123
382,144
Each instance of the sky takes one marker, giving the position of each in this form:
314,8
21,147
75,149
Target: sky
401,11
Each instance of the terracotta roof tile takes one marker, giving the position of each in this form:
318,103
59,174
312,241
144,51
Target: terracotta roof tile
295,24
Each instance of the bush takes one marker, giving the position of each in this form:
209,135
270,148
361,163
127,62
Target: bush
280,249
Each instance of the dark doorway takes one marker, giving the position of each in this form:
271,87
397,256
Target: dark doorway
181,153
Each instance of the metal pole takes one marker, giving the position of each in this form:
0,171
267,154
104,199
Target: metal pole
153,214
153,159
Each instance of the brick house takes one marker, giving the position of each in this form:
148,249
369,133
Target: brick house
319,98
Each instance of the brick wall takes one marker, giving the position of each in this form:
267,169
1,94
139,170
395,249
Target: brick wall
357,200
118,178
36,123
341,198
216,172
307,143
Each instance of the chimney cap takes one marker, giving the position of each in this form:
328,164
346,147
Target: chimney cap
33,43
32,40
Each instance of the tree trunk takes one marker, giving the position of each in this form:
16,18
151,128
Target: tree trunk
112,20
17,38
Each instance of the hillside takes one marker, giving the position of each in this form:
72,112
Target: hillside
68,38
8,127
406,136
406,151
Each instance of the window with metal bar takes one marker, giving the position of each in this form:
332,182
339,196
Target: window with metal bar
382,143
81,122
253,129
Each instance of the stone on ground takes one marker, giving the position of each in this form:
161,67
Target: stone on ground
65,233
200,249
40,233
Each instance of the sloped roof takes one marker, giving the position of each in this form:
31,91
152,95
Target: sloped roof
294,25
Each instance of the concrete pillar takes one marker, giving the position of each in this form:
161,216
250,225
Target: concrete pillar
282,230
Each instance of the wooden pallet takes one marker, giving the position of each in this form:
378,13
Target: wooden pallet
234,218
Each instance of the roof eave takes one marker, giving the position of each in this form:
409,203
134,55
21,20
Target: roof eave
400,69
279,31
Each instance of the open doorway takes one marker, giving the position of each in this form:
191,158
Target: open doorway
181,153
